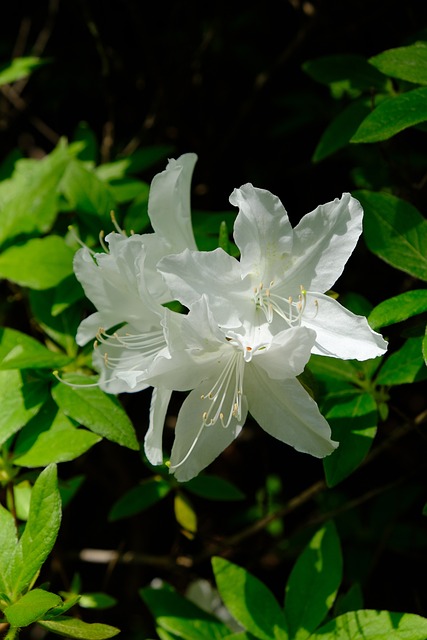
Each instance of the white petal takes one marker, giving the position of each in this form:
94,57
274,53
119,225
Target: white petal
323,242
89,327
339,332
262,232
287,412
288,353
169,203
195,445
153,438
216,274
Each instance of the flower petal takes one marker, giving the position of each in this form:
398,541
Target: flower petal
288,353
339,332
323,242
216,274
169,203
153,438
196,445
287,412
262,232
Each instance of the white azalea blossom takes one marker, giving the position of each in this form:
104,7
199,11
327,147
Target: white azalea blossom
231,372
282,271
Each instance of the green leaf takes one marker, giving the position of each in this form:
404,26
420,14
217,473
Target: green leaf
342,128
340,371
345,73
83,133
51,437
91,407
75,628
424,347
40,532
405,365
399,308
19,351
354,425
213,488
249,601
392,116
206,225
62,327
31,607
140,498
21,396
126,189
8,542
367,624
40,263
175,614
313,584
22,498
96,601
32,203
19,68
395,231
86,192
184,513
405,63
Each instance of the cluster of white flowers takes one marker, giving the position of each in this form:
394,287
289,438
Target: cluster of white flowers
251,326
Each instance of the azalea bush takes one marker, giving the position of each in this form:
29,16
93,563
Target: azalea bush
212,418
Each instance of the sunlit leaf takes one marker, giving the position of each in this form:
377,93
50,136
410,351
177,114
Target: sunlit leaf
91,407
40,263
405,63
31,607
19,68
367,624
405,365
313,584
399,308
249,601
395,231
392,116
76,628
21,396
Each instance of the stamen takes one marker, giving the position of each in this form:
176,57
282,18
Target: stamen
101,241
187,455
116,225
270,303
79,240
225,395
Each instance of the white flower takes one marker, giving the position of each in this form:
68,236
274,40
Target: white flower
282,271
231,372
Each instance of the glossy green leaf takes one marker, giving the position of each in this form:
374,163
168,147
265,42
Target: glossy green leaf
86,192
61,328
40,531
22,498
76,628
8,542
213,488
184,513
367,624
31,607
333,369
19,351
395,231
21,396
405,365
175,614
32,202
354,425
341,129
405,63
140,498
345,73
51,437
392,116
19,68
96,601
40,263
313,584
91,407
399,308
249,601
